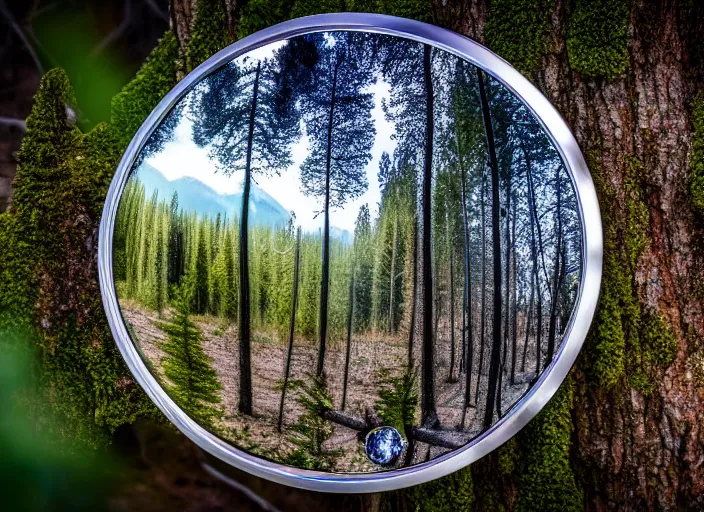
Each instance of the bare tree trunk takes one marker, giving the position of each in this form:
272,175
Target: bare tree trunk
467,306
325,273
506,309
557,273
414,292
245,398
350,317
495,361
482,320
429,416
451,376
534,259
392,277
292,326
514,306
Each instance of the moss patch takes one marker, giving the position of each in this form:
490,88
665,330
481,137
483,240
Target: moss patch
48,280
658,341
449,494
547,481
519,30
139,97
209,33
597,37
259,14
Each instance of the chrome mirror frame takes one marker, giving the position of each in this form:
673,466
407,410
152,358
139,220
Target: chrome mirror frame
524,410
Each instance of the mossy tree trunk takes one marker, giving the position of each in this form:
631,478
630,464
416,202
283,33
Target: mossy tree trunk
625,431
627,93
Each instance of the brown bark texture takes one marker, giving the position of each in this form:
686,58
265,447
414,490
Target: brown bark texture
635,450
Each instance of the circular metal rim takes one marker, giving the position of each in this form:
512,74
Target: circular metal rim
524,410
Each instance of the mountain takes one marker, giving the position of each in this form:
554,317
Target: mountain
194,195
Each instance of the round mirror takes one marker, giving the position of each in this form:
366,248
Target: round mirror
351,253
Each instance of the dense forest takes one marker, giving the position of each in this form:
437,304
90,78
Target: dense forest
464,275
622,433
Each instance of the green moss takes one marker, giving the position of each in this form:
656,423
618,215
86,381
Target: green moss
452,493
597,37
420,10
519,31
487,493
606,342
637,215
209,34
310,7
659,344
696,184
138,98
623,339
641,381
259,14
547,480
94,168
509,456
48,280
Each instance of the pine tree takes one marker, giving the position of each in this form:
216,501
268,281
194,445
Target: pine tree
364,257
201,286
341,132
193,383
249,107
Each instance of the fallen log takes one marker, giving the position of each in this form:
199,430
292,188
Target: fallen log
450,439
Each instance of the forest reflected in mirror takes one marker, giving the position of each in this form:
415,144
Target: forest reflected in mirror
343,231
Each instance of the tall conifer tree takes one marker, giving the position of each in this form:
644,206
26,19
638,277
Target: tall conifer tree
341,132
246,116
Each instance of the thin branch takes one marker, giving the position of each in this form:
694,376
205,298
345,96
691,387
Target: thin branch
256,498
11,121
156,10
7,14
115,34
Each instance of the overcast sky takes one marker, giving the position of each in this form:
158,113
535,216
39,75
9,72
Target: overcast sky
181,157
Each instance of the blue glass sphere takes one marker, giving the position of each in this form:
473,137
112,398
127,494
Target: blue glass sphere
384,445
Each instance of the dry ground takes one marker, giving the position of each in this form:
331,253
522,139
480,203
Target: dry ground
373,360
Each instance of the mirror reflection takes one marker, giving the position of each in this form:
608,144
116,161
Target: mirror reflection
348,252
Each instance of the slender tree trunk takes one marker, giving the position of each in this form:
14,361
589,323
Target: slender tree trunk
392,277
467,300
495,361
245,401
527,323
482,320
557,274
534,259
291,327
350,317
451,376
514,305
429,415
414,291
507,291
325,274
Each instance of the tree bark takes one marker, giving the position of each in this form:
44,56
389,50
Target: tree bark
325,274
245,397
495,360
428,413
292,327
350,317
637,451
633,451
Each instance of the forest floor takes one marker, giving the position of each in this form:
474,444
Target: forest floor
374,359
